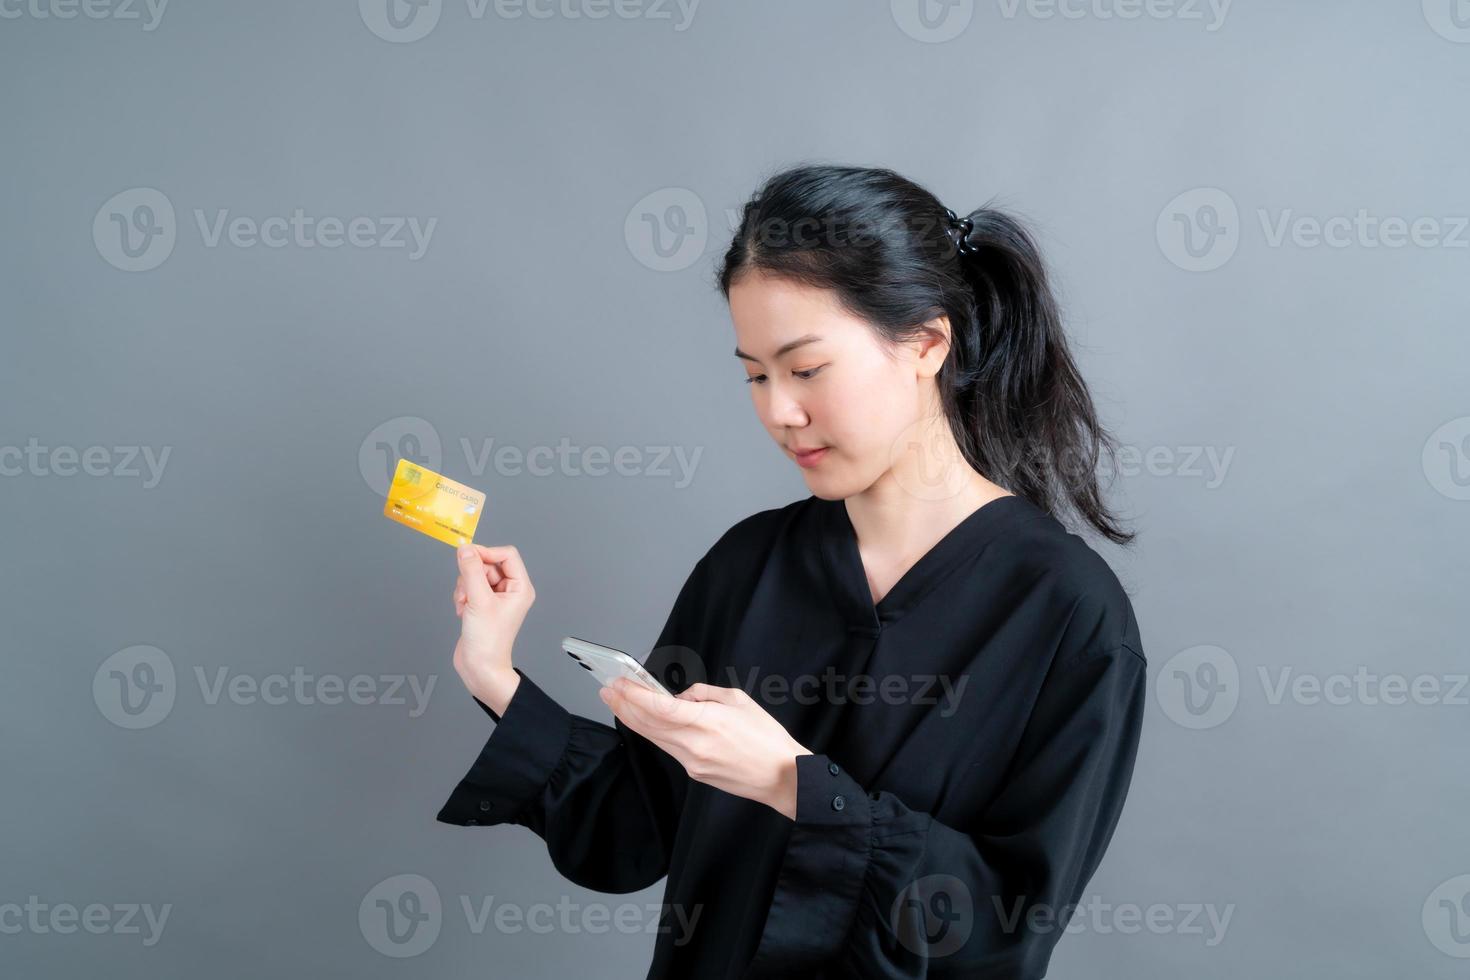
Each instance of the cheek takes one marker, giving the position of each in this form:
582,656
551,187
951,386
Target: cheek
869,397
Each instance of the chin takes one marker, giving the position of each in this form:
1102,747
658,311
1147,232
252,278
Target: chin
826,488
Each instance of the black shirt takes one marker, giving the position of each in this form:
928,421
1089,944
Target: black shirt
973,734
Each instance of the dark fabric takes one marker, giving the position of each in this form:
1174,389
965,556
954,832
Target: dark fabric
970,818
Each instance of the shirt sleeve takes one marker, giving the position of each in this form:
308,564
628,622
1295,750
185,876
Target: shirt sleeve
876,889
604,799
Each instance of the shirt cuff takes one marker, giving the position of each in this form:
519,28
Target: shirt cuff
822,871
516,761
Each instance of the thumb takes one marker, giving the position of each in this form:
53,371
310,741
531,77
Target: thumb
472,574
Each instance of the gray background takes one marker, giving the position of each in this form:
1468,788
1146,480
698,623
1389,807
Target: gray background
1334,377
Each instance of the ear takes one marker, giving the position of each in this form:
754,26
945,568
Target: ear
932,346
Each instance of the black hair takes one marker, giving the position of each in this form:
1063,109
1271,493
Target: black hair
1015,401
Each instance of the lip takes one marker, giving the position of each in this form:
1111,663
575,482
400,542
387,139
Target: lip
810,457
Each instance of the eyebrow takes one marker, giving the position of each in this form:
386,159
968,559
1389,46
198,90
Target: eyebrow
784,349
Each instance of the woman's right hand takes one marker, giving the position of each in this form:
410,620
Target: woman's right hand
491,599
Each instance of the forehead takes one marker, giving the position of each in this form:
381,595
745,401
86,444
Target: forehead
770,313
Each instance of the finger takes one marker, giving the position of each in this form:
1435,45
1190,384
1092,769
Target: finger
623,711
710,692
472,577
506,560
659,709
634,717
492,570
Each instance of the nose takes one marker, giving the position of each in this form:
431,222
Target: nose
785,411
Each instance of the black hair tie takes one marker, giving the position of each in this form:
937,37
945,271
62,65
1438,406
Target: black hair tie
965,226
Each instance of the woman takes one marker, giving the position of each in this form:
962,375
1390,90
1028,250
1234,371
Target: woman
917,696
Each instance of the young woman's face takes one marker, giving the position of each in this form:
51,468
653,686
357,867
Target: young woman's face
841,390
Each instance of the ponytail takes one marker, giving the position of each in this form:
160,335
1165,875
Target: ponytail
1018,406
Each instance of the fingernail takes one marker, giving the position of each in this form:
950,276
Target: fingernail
465,551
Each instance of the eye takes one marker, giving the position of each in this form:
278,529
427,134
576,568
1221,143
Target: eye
803,375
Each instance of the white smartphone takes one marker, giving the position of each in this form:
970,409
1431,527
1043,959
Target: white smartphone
605,664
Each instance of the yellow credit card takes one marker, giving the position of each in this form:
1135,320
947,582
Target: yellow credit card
436,505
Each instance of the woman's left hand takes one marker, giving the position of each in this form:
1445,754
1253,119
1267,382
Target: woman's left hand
720,735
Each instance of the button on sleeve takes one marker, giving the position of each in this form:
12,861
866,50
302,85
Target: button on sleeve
515,762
